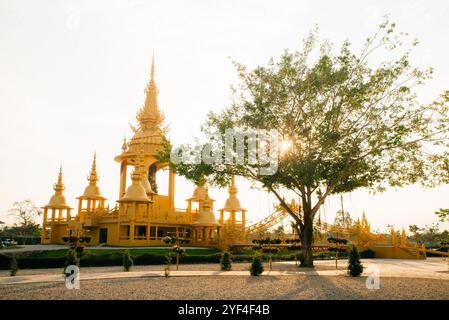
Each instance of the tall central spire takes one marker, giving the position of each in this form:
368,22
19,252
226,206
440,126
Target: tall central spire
149,115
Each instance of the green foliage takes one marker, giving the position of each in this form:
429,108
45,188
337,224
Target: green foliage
169,258
428,235
443,214
256,268
353,122
13,266
226,261
127,261
343,220
355,267
71,259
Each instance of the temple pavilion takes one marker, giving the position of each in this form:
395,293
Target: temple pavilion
142,216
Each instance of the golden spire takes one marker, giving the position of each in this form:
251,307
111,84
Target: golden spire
149,115
232,203
93,177
152,68
92,191
232,188
58,200
59,186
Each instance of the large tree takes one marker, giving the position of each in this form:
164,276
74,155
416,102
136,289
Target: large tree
351,120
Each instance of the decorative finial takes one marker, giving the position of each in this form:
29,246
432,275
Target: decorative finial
232,187
207,203
59,186
152,68
124,145
201,181
149,116
93,177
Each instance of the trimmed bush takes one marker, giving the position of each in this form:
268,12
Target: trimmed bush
71,259
256,268
169,257
226,262
149,259
13,266
270,250
355,267
106,260
367,254
127,261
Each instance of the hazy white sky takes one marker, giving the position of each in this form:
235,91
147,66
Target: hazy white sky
72,75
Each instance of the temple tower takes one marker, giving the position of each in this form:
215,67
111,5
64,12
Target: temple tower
199,195
55,226
206,227
134,206
234,226
149,135
91,201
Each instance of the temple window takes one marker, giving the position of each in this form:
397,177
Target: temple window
166,231
140,232
153,233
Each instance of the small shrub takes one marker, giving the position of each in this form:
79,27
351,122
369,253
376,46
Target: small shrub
79,251
13,266
71,259
169,259
225,261
256,268
355,267
127,261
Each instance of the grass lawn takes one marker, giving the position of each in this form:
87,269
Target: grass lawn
134,252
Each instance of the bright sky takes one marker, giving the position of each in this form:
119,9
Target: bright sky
72,75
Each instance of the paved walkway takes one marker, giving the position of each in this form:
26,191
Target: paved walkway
432,268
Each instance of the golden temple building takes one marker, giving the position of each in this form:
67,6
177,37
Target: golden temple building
142,216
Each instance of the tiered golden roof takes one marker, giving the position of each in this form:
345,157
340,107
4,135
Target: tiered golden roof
57,201
149,130
232,203
92,191
136,191
206,217
200,192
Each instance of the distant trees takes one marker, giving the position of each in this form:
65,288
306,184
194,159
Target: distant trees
25,214
343,219
429,235
279,232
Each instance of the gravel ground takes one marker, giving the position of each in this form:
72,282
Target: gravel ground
186,267
234,287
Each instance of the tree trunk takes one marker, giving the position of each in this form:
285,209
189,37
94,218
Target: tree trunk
307,242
